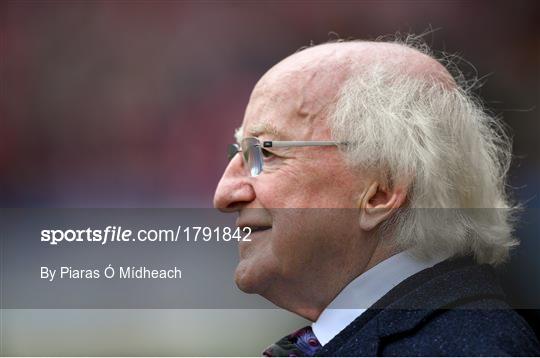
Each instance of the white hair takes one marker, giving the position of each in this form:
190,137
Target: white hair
454,154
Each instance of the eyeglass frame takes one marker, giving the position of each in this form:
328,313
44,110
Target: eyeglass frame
236,148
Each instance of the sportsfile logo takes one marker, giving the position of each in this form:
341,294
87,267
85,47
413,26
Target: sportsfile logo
120,234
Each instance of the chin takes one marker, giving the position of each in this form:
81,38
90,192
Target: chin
251,277
244,281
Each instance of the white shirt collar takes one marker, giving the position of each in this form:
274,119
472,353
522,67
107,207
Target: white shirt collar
364,291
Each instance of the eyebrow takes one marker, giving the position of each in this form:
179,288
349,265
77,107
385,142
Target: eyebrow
259,129
238,134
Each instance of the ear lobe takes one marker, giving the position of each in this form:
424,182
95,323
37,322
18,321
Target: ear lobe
373,212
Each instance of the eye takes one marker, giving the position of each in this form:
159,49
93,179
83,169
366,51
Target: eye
266,153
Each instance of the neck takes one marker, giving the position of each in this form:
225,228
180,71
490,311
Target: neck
310,297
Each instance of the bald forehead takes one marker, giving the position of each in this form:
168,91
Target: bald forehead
300,88
312,76
321,67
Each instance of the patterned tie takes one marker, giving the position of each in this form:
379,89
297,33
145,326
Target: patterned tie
301,343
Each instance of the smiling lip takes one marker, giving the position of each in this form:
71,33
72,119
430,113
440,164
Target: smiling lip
256,225
256,228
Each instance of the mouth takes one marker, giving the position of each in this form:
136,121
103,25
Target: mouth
256,229
253,224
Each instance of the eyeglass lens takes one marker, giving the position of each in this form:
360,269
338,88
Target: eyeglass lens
232,149
252,154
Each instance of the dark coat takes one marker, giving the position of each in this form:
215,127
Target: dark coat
455,308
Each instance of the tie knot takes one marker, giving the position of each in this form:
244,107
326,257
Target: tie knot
301,343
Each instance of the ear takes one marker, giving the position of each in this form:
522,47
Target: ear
378,204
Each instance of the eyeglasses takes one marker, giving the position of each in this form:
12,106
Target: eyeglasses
254,151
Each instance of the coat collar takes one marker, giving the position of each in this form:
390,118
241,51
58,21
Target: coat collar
443,286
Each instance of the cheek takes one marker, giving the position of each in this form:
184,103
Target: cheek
308,241
316,194
291,188
277,190
327,189
332,186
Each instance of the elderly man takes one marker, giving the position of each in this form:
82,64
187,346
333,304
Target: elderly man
354,161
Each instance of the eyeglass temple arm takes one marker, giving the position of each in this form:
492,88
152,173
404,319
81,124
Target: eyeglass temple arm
297,143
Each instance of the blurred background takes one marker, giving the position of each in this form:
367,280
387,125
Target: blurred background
131,104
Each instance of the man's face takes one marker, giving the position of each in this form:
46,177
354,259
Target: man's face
295,246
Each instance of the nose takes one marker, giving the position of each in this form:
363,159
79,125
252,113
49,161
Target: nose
235,189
